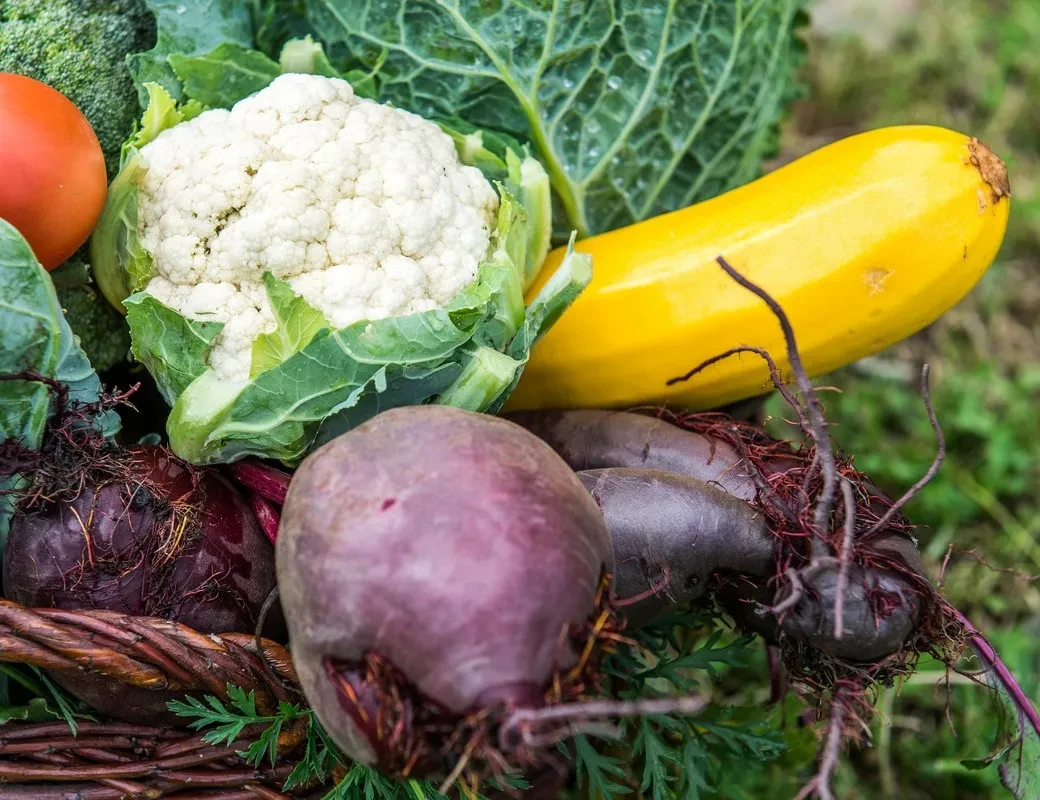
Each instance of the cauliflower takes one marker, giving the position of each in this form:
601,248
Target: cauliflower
294,261
364,209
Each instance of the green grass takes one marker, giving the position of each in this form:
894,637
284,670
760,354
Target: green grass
973,66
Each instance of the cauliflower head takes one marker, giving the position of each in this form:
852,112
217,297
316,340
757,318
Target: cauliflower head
364,209
294,261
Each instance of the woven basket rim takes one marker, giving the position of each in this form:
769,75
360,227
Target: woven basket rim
120,760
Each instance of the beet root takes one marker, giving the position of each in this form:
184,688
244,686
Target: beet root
596,439
671,533
145,534
694,502
434,565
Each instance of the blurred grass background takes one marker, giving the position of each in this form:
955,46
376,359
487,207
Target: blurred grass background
974,66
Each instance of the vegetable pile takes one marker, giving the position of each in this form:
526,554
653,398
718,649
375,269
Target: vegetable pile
399,304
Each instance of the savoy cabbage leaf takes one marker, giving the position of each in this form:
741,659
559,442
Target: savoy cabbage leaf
635,107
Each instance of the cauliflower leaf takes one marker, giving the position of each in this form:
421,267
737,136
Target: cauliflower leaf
224,75
171,347
187,29
298,323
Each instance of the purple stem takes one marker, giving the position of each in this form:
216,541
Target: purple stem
269,482
991,660
266,514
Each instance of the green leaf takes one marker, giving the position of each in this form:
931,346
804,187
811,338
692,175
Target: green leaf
554,298
369,366
189,29
388,388
161,112
1016,750
485,375
298,323
30,338
36,710
599,772
307,56
657,757
484,149
530,183
172,348
319,758
243,703
65,710
265,745
121,265
635,107
704,658
224,75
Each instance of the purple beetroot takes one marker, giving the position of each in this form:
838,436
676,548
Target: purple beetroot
434,566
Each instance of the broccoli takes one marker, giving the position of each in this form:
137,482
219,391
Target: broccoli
79,47
103,333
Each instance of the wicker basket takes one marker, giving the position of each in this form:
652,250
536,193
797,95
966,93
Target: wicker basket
117,761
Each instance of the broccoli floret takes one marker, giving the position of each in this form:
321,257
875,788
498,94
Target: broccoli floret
79,47
102,331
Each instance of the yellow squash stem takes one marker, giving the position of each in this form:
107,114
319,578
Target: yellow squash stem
863,243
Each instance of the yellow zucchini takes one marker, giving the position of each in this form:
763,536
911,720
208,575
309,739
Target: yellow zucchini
863,243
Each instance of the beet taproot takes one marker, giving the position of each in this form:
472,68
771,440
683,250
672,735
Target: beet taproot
689,498
431,563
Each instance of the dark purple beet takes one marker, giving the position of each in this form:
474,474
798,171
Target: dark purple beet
596,439
154,538
453,547
681,505
671,533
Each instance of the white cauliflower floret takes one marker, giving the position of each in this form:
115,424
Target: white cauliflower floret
364,209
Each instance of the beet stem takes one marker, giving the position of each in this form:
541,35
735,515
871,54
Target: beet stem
991,660
269,482
940,456
266,515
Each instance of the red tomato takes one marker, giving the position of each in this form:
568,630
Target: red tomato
52,171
